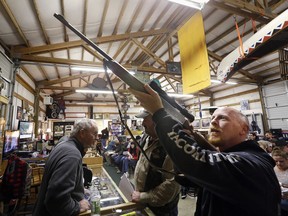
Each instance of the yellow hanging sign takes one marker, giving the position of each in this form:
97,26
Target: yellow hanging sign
194,55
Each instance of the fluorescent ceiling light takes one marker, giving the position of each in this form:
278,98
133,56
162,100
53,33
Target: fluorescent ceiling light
179,95
218,81
90,91
95,91
99,70
94,103
95,69
197,4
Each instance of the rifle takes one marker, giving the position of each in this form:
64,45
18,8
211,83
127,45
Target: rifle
177,112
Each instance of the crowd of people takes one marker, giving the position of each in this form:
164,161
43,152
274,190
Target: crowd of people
239,174
277,148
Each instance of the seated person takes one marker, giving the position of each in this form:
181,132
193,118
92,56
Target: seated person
118,155
130,159
253,136
281,169
109,150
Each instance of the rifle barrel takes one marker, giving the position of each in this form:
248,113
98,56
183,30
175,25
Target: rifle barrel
82,36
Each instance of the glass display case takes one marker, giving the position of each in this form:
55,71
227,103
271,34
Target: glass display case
113,202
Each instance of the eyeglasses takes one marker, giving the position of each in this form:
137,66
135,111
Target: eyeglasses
95,134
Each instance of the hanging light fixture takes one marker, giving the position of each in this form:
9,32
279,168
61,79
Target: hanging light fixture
197,4
95,69
91,91
218,81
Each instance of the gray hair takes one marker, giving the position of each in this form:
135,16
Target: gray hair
84,123
264,143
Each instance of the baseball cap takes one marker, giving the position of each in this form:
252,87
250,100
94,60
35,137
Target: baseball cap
143,114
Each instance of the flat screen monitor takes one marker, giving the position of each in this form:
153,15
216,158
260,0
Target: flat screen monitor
26,129
11,142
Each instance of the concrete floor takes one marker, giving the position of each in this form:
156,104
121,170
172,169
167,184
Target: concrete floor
186,207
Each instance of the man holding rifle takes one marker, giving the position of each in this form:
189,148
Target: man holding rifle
237,180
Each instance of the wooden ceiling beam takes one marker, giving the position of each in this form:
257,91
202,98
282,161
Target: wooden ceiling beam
160,16
269,69
135,15
186,15
20,80
72,44
244,72
225,33
233,39
66,39
234,10
121,48
239,80
27,72
264,64
260,11
149,52
149,15
126,53
45,83
275,4
35,7
122,11
50,60
85,17
92,52
128,30
43,71
64,94
86,63
100,31
170,83
59,88
14,21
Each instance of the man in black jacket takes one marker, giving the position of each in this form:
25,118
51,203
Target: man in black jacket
237,179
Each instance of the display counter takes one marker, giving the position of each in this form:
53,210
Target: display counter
113,202
93,163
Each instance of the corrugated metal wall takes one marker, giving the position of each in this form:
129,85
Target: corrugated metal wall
276,104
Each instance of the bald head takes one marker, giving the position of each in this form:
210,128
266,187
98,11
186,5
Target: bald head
228,128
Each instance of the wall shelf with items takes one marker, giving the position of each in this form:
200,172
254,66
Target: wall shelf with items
115,128
61,129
